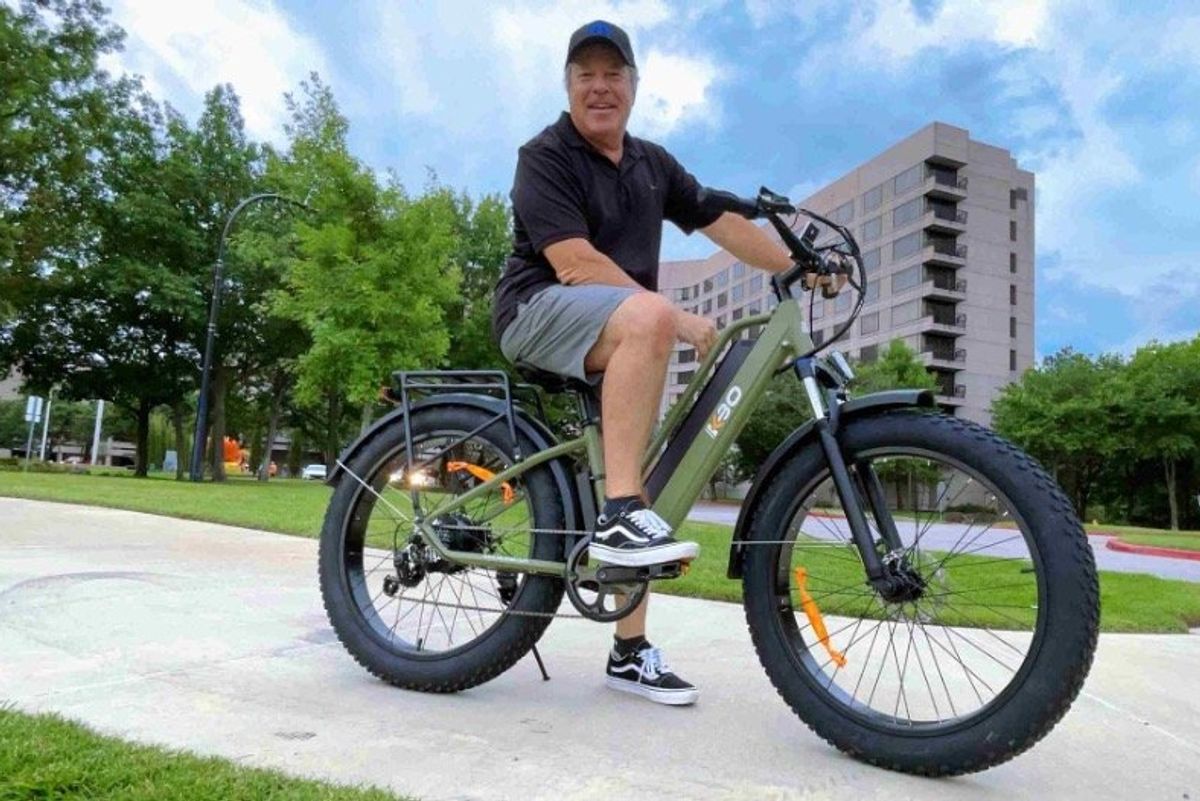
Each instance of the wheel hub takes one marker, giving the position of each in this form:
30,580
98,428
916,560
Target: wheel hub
901,583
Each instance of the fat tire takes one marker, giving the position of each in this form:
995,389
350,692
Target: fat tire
1071,604
502,645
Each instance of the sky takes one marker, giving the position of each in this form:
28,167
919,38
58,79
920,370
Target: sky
1101,99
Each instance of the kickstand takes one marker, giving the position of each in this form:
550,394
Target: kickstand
541,665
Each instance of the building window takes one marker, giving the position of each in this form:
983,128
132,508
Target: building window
906,246
1012,327
739,292
818,336
906,312
871,259
688,355
723,277
708,285
906,212
843,213
722,299
707,307
842,303
818,308
906,279
872,199
1012,230
1012,262
869,323
772,302
1012,360
868,354
684,376
739,270
872,229
720,321
755,308
756,283
1012,198
1012,294
872,293
737,314
908,179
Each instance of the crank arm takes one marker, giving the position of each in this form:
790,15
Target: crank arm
619,574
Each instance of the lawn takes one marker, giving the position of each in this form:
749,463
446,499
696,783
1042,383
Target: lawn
1130,602
46,757
1186,540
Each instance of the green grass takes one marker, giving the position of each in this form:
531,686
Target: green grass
1130,602
1187,542
46,757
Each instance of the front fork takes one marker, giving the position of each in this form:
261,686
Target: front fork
815,379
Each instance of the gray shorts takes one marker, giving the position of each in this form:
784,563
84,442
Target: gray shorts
555,329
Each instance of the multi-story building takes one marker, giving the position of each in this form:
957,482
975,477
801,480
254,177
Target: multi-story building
946,227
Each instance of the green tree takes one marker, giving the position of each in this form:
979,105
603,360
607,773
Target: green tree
897,368
483,242
1068,414
1162,395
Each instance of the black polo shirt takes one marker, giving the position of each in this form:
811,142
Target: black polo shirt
565,188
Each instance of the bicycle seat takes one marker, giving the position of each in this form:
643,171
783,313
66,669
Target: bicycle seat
553,382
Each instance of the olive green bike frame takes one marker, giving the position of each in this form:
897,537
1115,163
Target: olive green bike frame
782,341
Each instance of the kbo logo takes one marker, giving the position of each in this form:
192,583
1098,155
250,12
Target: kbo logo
724,410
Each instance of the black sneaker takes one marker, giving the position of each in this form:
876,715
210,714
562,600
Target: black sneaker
645,673
637,538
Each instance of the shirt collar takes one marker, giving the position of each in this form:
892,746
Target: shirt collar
632,146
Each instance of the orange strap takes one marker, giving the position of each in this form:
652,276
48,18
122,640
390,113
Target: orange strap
814,617
483,474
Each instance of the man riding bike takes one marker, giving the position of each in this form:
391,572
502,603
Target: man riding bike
578,298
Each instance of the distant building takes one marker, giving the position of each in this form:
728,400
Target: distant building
10,387
946,227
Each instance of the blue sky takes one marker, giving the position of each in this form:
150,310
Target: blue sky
1101,99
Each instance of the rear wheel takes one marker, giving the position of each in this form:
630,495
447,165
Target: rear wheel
407,616
992,644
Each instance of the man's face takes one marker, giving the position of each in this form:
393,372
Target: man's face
600,90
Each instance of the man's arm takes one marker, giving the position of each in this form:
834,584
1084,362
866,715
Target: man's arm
576,261
748,243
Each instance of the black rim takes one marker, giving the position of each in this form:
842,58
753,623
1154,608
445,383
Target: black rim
960,661
445,613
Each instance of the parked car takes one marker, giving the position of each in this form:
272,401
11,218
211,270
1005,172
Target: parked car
313,471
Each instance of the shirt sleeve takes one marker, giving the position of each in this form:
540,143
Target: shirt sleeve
548,198
682,205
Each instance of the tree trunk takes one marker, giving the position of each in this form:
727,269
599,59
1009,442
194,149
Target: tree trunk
180,442
1172,500
220,385
143,438
264,469
331,427
368,412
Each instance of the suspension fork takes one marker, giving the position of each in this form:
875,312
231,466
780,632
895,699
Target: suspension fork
843,482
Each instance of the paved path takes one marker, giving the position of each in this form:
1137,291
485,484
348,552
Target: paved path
213,638
946,536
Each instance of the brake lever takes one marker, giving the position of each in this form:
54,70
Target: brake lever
773,203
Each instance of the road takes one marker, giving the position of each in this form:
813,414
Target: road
213,638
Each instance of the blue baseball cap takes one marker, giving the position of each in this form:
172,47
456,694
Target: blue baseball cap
601,31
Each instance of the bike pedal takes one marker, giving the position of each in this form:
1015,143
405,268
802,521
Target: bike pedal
618,574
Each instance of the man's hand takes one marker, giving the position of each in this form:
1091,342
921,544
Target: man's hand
695,330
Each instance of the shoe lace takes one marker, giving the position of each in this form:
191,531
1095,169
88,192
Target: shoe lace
653,663
649,520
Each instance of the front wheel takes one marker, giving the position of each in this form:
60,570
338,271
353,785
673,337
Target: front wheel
992,644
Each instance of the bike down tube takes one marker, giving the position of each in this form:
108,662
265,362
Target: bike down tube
783,339
683,403
495,562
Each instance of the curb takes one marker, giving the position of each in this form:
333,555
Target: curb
1116,544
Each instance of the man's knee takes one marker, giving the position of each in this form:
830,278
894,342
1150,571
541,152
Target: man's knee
647,316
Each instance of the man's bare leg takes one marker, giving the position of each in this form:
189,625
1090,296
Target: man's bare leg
633,351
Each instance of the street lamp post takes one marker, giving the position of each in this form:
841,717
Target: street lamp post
197,469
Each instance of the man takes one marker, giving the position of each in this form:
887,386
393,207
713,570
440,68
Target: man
578,298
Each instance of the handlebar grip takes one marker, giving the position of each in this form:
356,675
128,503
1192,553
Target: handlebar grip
717,200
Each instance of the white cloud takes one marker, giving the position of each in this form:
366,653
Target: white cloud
193,46
674,90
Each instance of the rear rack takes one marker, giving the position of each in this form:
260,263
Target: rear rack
413,385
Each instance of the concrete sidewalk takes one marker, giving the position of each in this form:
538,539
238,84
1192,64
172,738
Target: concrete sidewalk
213,638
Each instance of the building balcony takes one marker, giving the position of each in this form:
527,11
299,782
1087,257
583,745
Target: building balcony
944,221
945,358
950,401
944,184
944,254
949,325
942,289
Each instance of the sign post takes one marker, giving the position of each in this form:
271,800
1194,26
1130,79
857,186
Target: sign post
33,416
96,433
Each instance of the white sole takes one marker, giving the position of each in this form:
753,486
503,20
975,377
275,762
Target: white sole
669,697
642,557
